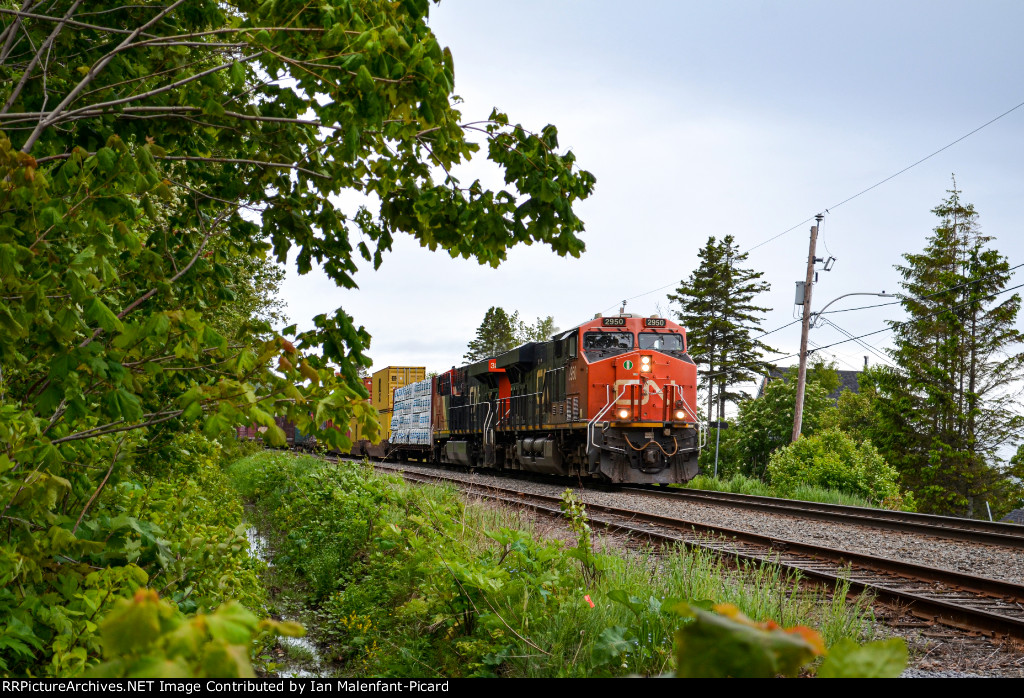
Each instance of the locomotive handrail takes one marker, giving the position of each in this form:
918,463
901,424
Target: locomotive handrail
601,413
702,428
501,417
487,423
516,401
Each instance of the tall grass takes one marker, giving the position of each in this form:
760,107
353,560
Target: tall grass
414,581
762,592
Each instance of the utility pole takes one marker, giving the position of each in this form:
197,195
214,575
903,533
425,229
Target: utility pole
801,381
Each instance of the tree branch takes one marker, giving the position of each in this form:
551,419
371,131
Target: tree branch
68,22
93,72
39,54
105,429
55,117
10,32
150,293
99,488
261,163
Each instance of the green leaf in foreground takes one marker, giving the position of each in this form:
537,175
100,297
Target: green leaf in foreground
727,644
884,659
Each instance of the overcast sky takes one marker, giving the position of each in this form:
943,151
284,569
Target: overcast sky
716,118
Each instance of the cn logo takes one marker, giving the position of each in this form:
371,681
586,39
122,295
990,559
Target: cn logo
649,388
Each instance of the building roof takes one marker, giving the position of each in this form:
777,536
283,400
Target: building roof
848,380
1016,516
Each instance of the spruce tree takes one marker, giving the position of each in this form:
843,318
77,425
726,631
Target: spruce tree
948,408
498,333
716,308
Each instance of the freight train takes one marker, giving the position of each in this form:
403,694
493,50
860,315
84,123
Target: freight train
614,398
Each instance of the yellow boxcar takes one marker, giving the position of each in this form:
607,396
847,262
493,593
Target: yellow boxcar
384,382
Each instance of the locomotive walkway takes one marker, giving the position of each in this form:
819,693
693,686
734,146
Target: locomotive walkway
957,599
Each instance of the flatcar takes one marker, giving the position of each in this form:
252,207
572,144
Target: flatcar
613,398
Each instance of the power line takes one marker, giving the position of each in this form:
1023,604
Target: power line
862,343
936,293
788,324
927,157
860,193
784,232
879,305
891,327
835,357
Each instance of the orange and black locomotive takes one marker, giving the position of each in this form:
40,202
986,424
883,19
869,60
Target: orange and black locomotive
614,398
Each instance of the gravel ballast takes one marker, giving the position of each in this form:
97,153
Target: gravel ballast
995,562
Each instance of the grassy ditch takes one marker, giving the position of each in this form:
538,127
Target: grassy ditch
412,581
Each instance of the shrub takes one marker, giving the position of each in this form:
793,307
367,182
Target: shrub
832,459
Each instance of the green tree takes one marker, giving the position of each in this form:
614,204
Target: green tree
149,154
497,333
716,308
253,302
832,459
540,331
765,424
949,406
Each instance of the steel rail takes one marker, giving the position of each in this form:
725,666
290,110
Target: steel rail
972,530
968,602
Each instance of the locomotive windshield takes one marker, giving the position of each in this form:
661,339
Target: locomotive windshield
661,341
601,345
603,341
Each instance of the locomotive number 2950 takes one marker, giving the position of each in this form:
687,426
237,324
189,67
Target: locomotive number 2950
614,322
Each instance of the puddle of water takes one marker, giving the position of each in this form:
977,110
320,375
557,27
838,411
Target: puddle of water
293,670
258,545
306,651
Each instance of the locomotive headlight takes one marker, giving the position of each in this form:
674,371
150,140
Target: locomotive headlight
680,415
623,414
645,363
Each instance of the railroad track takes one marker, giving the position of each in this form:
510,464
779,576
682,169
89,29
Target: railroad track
963,601
971,530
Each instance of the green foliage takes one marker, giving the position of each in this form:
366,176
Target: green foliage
150,638
741,484
737,484
717,310
419,584
180,533
728,644
197,526
384,559
497,333
541,331
576,514
856,413
831,459
157,165
949,407
766,423
882,659
642,642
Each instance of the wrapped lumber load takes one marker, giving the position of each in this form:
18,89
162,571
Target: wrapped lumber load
410,423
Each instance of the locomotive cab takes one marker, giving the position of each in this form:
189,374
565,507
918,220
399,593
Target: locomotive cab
643,423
